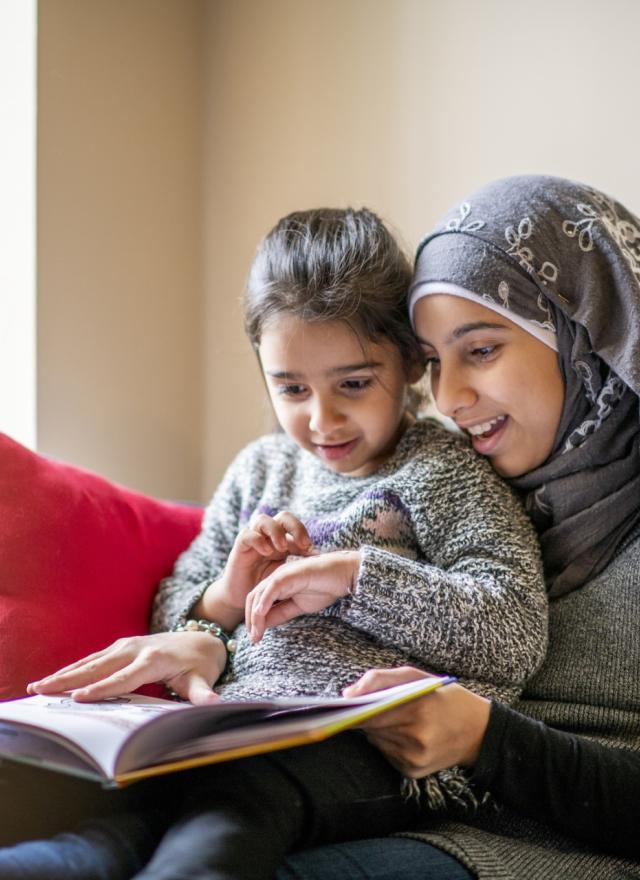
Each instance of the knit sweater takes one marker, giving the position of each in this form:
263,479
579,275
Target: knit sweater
450,579
589,685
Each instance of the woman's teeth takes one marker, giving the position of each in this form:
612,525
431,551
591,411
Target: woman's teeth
485,427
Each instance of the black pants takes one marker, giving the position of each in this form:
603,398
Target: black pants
239,819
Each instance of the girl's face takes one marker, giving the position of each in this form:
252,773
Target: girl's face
500,384
339,397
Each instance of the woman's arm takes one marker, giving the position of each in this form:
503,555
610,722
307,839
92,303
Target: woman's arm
581,788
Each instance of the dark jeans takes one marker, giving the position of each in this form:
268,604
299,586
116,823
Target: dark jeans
381,858
234,820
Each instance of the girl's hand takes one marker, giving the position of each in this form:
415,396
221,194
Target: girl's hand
300,587
188,662
259,549
434,732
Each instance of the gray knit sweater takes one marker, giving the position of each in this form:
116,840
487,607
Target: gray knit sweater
450,579
589,685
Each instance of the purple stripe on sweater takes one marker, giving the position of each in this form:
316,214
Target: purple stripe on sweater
247,512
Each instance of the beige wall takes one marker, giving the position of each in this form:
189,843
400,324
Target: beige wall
402,105
120,239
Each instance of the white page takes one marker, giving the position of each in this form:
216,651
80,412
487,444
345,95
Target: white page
126,733
100,727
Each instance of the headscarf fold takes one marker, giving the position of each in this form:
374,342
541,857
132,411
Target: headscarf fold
567,258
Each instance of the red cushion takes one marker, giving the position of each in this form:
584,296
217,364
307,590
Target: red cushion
80,559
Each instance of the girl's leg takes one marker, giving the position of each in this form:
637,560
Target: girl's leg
243,817
382,858
35,802
111,846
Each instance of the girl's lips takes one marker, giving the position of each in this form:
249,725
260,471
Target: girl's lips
337,450
485,444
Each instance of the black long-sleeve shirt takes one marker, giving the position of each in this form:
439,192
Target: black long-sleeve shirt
588,791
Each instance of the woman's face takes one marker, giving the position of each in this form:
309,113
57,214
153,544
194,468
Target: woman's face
500,384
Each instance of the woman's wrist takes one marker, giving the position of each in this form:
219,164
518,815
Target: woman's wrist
477,717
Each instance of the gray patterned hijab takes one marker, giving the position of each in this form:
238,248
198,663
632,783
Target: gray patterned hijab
566,258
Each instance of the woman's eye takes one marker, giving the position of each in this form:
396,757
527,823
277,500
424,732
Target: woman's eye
484,352
431,360
356,384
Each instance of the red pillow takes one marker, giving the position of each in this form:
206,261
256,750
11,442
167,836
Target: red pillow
80,559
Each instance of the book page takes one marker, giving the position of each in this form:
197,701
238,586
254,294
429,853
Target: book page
93,732
120,736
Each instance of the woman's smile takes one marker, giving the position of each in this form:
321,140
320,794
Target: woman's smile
486,436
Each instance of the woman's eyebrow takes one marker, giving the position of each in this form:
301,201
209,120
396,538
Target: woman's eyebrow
463,329
476,325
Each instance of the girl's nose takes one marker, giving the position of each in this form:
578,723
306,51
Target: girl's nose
324,417
452,392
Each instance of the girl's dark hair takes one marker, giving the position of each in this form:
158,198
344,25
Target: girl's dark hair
333,264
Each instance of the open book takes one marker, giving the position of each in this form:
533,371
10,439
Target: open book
128,738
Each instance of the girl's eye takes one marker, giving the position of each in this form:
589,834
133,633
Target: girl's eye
291,390
356,384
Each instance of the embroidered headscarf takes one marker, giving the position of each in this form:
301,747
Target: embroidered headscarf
561,259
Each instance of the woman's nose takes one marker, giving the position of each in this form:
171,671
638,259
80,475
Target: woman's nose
452,392
324,417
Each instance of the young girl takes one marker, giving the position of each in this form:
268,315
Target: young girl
358,537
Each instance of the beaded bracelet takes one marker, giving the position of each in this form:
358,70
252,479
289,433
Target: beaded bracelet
211,627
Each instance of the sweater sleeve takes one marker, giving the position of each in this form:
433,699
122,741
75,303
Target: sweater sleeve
206,558
473,602
581,788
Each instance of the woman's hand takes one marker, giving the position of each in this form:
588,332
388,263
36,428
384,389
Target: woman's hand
188,662
303,586
258,550
434,732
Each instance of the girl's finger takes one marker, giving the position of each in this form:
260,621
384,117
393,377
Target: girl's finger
194,687
248,610
280,613
272,530
264,596
65,669
296,531
122,681
87,674
250,539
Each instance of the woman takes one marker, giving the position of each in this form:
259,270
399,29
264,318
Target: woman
526,264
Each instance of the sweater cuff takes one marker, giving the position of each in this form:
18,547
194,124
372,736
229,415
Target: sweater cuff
373,606
491,751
